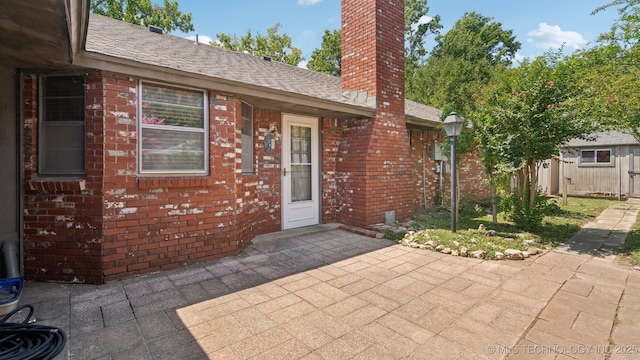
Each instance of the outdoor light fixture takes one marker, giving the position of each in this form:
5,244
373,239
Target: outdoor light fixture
453,127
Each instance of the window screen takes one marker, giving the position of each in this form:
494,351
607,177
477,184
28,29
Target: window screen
62,126
247,138
172,130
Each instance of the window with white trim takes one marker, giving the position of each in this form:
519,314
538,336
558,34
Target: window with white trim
61,145
173,130
596,157
247,138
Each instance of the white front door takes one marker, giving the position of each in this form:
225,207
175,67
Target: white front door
300,171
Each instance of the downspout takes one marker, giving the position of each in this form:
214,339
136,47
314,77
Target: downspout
9,242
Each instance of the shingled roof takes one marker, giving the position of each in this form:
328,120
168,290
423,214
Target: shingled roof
114,39
605,138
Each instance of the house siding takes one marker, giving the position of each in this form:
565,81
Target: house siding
112,223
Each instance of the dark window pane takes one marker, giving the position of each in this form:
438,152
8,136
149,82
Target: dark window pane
604,156
64,86
62,128
588,156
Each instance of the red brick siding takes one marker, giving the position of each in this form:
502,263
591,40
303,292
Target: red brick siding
62,227
331,137
260,192
374,165
473,180
113,224
471,177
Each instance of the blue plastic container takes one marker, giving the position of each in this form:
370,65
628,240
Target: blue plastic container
10,291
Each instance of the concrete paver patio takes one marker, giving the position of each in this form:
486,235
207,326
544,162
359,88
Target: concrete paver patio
338,295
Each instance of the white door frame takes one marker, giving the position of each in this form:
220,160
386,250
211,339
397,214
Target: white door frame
299,213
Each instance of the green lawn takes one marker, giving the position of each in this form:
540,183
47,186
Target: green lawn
432,226
630,251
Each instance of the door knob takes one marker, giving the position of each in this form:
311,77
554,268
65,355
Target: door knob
284,171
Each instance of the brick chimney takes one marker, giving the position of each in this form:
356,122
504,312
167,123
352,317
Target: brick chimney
374,170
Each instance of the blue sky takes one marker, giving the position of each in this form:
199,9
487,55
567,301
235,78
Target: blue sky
538,24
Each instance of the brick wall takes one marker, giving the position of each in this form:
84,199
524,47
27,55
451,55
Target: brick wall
331,134
374,169
112,224
62,216
471,178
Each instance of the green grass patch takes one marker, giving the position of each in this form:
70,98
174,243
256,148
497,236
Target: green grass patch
561,222
630,251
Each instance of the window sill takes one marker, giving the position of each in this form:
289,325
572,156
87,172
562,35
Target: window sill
56,184
174,182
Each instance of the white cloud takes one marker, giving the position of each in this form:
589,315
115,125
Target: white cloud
552,37
423,20
518,58
202,39
308,2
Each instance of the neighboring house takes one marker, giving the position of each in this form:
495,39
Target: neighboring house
126,151
606,165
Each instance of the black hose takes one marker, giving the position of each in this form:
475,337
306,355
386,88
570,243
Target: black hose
22,341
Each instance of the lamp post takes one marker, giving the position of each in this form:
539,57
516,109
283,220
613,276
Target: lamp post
453,127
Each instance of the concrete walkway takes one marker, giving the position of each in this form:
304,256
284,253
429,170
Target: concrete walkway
338,295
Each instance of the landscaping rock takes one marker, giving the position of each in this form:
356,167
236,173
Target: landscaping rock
464,251
513,254
482,228
500,256
446,250
509,239
430,244
491,233
379,236
454,253
533,251
440,247
478,254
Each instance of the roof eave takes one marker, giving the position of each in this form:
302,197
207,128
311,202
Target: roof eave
103,62
412,120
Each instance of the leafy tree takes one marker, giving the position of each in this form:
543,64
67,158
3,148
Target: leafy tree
609,74
626,28
418,26
328,58
521,120
274,45
463,60
145,13
609,78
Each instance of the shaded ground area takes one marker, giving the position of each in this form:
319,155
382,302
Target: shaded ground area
338,295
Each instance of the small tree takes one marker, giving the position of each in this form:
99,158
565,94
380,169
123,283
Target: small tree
276,46
328,58
145,13
521,120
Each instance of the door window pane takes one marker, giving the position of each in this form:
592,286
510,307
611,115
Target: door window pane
300,163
